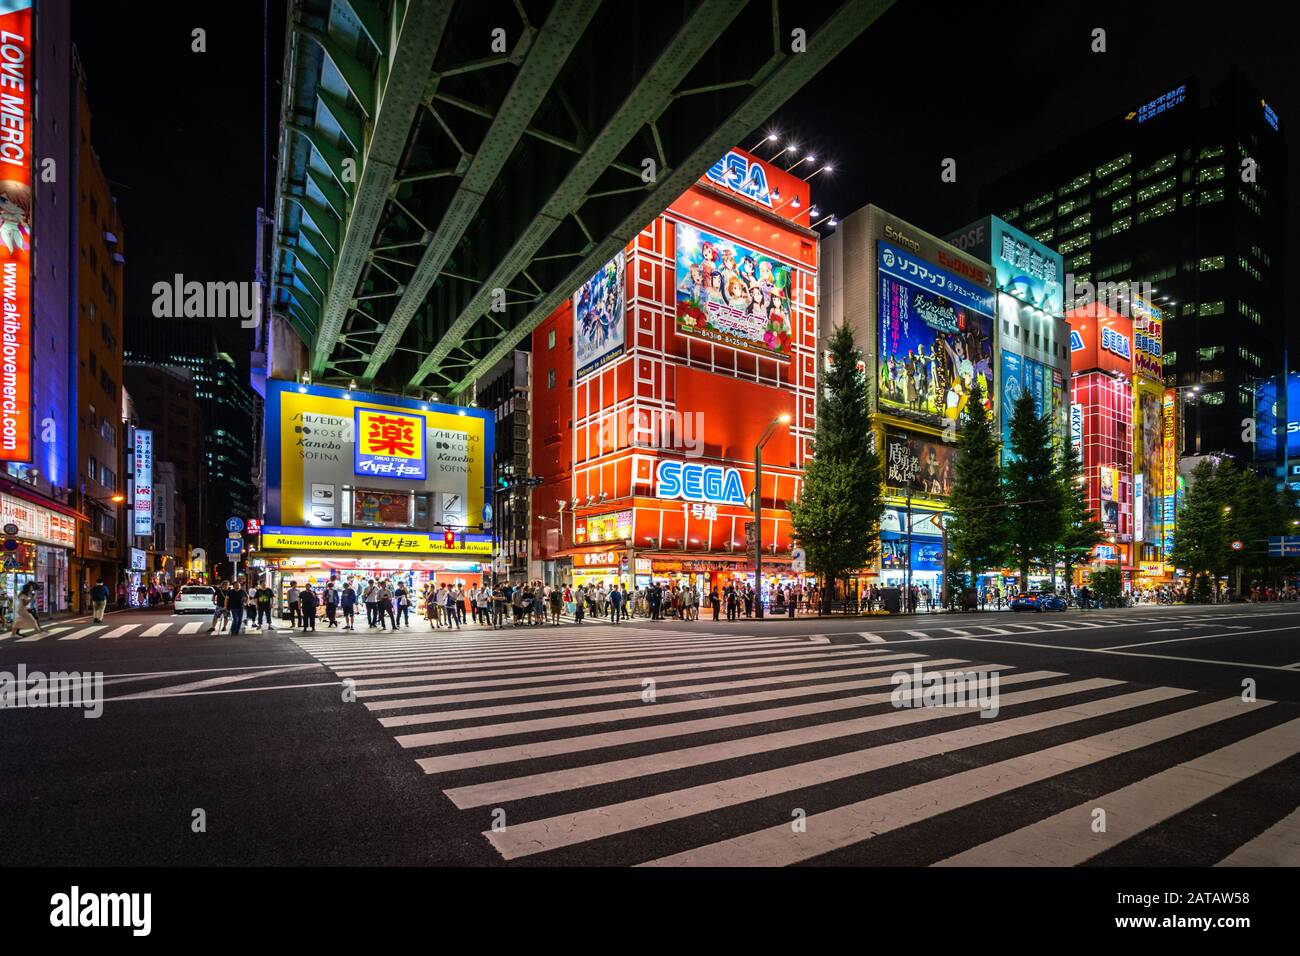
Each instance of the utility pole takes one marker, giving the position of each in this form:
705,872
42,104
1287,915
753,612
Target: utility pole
781,419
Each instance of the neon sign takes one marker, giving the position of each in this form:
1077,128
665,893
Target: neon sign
1113,341
690,481
1076,342
738,174
16,232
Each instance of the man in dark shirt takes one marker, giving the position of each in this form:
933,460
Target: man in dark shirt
235,605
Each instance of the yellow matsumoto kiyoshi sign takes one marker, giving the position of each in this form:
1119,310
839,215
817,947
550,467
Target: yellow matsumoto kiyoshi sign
368,542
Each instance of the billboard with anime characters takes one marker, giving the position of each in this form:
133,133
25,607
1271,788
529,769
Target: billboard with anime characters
732,295
600,318
936,339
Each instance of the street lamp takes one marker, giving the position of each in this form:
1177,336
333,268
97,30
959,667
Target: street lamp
782,419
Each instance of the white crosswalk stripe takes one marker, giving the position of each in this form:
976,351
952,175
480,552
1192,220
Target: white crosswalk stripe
664,747
113,630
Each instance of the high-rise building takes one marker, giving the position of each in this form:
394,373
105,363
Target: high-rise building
100,460
221,387
1184,194
504,390
38,207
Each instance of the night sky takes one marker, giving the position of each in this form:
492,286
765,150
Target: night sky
180,134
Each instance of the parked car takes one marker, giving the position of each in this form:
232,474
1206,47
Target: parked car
1038,601
195,597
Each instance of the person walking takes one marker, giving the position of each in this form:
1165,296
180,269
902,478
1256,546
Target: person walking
556,599
450,597
25,612
236,598
403,599
384,606
616,606
498,607
368,597
714,602
348,604
219,613
309,600
263,599
331,605
579,604
99,600
294,606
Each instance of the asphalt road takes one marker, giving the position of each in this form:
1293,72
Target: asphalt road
666,743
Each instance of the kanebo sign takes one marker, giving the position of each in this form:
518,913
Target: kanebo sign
690,481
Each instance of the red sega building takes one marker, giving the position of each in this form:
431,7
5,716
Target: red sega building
1101,425
653,383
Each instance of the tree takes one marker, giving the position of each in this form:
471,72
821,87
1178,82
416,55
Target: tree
976,533
1200,535
1080,530
1033,513
837,516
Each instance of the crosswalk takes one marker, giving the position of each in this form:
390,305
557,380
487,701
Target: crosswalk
670,747
112,630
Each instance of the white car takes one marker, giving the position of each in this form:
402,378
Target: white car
195,597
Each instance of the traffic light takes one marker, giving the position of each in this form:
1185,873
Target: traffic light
506,482
449,539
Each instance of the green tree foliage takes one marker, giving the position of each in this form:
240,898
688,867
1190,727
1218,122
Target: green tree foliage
1200,533
837,516
1080,530
1034,500
976,525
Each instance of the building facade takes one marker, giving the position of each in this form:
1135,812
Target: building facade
505,392
100,454
654,383
1182,196
923,312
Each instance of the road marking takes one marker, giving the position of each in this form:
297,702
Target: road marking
1166,630
1108,650
84,632
199,685
1200,637
38,636
857,823
1279,845
617,738
118,631
228,690
155,630
1069,839
519,788
191,628
523,839
919,635
871,638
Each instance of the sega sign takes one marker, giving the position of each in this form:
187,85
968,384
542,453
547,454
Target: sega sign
1076,342
691,481
1114,342
742,176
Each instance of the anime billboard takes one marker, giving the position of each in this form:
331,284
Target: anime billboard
936,339
600,318
732,295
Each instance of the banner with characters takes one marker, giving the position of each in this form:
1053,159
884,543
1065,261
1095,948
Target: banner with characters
732,295
600,318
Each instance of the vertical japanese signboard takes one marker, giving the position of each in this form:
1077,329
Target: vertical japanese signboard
143,470
1169,469
16,93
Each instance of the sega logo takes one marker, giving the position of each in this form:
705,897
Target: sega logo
690,481
1076,342
1113,341
740,175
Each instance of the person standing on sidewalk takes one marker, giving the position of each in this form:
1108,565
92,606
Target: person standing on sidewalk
310,601
235,600
403,599
331,604
99,600
294,606
265,596
348,602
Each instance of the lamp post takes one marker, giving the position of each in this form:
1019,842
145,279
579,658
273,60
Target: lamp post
772,426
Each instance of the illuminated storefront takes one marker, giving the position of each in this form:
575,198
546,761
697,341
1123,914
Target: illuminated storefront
924,314
653,384
45,540
363,485
1102,403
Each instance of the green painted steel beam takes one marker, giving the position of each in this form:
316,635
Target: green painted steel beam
409,65
545,58
779,84
648,100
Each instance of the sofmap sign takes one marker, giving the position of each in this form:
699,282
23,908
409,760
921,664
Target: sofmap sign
691,481
16,97
143,468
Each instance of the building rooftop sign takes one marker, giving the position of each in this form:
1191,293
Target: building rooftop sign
1163,102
